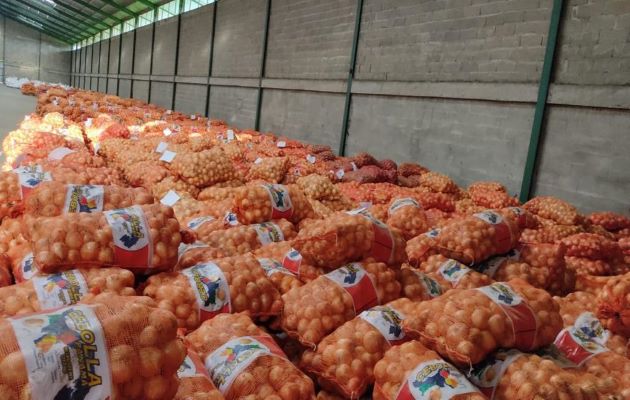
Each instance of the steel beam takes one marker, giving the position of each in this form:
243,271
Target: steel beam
81,13
119,7
92,8
30,8
46,28
47,10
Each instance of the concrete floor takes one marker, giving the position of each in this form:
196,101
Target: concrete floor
13,107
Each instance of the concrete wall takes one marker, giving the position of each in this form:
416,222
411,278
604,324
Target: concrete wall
451,84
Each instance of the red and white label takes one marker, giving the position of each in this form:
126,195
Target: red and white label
400,203
84,198
434,379
292,261
585,339
502,233
383,245
130,232
183,248
268,232
27,269
357,283
29,177
487,374
281,206
228,361
453,271
523,319
492,265
60,289
431,287
192,367
273,267
195,223
211,289
388,321
521,216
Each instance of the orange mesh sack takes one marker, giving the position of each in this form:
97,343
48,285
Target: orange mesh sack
478,237
142,238
201,292
50,199
259,203
45,292
5,271
344,361
609,220
245,238
592,246
201,169
407,215
244,362
195,253
272,169
316,309
113,347
351,236
423,246
16,185
204,225
467,325
195,382
451,274
290,259
283,279
411,371
614,305
23,266
418,286
554,209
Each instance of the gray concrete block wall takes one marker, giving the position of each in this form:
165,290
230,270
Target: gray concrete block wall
142,61
104,61
141,90
88,58
21,50
235,105
162,94
311,117
310,39
447,40
113,55
96,52
2,19
127,53
55,60
112,86
195,39
191,99
102,85
585,158
94,83
82,59
467,140
595,43
238,43
124,87
164,47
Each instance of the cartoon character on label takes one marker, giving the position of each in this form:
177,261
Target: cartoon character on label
131,225
27,265
504,295
350,271
453,269
212,285
57,280
278,196
231,353
442,378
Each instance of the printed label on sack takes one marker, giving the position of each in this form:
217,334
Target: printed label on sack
383,245
356,281
453,271
195,223
487,374
523,319
65,354
84,198
60,289
492,265
268,232
183,248
30,178
434,379
59,153
131,237
281,205
27,270
388,321
211,289
192,367
230,219
273,267
433,233
400,203
292,261
170,198
430,285
502,232
161,147
521,216
586,338
228,361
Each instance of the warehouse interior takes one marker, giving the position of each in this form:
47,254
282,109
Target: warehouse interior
299,200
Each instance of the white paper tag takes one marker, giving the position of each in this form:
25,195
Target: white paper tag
167,132
60,289
88,123
340,173
161,147
354,166
59,153
230,135
170,198
168,156
258,160
84,198
281,144
311,158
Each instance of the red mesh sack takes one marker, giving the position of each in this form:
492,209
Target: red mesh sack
406,215
204,168
344,361
264,202
423,246
143,238
319,307
451,274
614,305
198,293
467,325
283,279
245,362
609,220
587,266
195,382
439,183
127,348
418,286
549,233
195,253
290,259
411,371
589,245
272,169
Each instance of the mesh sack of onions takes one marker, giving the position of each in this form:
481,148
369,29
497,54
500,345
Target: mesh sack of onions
259,203
438,183
204,225
476,238
127,348
316,309
86,176
283,279
190,254
406,215
467,325
73,158
489,198
272,169
244,362
344,360
554,209
609,220
589,245
11,233
5,271
161,188
195,382
35,145
318,187
45,292
418,286
216,193
145,174
614,305
200,292
452,274
351,236
524,218
290,259
423,246
587,266
411,371
204,168
50,199
242,239
142,238
509,266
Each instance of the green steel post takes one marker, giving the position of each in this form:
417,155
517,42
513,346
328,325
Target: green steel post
179,32
263,62
155,14
353,63
133,56
214,24
541,102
